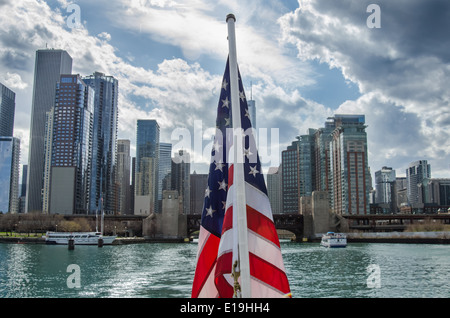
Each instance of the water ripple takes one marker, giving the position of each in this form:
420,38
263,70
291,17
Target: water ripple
167,270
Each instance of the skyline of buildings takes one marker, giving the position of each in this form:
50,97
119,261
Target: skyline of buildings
333,159
80,156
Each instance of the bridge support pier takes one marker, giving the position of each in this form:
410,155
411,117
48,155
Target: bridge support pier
171,223
317,216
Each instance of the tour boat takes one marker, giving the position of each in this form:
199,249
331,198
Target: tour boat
82,238
332,239
79,238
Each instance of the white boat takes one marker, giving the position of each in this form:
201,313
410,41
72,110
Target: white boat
332,239
80,238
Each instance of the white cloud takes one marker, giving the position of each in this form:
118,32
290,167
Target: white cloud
198,28
104,35
13,81
177,92
402,70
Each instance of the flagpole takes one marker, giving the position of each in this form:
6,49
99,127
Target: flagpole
239,206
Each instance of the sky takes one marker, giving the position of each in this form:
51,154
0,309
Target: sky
303,61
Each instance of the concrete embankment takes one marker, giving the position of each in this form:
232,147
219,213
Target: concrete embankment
378,237
23,240
137,240
400,237
117,241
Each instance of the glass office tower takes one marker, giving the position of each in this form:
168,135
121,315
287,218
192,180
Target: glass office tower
417,172
181,173
104,142
290,178
165,168
147,166
252,112
123,176
49,65
9,174
71,146
7,110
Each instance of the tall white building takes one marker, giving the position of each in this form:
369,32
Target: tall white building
415,174
384,185
252,112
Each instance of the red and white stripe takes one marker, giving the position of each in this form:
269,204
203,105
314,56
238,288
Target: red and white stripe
203,285
267,272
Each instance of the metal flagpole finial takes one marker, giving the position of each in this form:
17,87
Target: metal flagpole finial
230,16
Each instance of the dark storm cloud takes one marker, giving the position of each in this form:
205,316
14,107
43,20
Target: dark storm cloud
402,69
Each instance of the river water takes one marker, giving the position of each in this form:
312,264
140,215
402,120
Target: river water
165,270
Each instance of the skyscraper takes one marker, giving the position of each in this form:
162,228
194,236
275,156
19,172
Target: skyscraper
323,137
147,166
306,163
181,173
252,112
350,181
9,174
165,168
385,189
104,141
198,183
49,65
7,110
274,189
23,189
71,146
436,192
123,176
298,171
415,174
290,178
48,141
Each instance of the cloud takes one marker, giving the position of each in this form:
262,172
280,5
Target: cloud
402,70
198,28
175,94
178,91
13,81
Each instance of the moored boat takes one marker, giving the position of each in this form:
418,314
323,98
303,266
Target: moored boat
332,239
79,238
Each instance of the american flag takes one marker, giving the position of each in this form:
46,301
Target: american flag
217,238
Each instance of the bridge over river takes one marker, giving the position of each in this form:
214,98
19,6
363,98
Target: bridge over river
289,222
298,224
